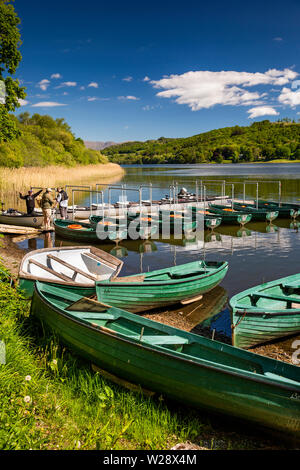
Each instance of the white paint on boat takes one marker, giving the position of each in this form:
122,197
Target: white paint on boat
82,265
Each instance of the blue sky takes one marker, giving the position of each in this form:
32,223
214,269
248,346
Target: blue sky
141,70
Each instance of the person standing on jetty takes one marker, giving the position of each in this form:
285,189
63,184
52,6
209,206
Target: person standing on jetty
30,200
47,203
62,201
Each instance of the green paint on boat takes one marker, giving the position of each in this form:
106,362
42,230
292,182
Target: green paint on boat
266,312
137,227
162,287
186,367
258,214
87,232
230,216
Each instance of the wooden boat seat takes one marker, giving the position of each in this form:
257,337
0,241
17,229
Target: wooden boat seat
49,270
291,285
128,279
275,297
73,268
191,273
165,339
94,316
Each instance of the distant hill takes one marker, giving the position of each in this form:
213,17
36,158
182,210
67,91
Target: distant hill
98,145
44,141
261,141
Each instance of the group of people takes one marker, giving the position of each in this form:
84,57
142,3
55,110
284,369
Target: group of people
47,204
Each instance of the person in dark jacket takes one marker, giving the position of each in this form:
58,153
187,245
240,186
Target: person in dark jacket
30,200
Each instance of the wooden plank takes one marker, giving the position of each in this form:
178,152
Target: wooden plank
70,266
128,279
124,383
49,270
193,299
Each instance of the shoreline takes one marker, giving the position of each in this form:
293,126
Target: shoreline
16,180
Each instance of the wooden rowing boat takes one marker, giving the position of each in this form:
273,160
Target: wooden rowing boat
14,217
258,214
162,287
80,231
71,266
176,221
183,366
284,210
211,220
142,227
266,312
230,216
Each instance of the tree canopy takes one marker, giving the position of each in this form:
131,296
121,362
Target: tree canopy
261,141
10,57
45,141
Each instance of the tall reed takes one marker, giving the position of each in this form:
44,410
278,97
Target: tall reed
15,180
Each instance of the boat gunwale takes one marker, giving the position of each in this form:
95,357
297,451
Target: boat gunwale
95,251
256,289
224,266
161,351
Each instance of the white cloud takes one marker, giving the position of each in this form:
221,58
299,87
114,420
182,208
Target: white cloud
289,97
22,102
43,84
93,85
129,97
67,84
127,79
278,39
56,75
262,111
47,104
92,98
146,79
204,89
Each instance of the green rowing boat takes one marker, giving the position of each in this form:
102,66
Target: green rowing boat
186,367
229,215
137,227
266,312
284,210
258,214
162,287
171,221
80,231
211,220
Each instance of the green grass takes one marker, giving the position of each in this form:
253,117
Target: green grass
50,399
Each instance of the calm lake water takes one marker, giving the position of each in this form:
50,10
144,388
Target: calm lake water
258,253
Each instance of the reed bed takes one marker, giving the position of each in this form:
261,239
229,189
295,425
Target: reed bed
16,180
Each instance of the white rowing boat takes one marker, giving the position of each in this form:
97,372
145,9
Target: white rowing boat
14,217
76,266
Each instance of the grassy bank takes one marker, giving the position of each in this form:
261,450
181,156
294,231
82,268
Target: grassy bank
50,399
15,180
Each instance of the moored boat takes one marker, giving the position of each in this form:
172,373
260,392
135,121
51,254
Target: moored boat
137,227
284,210
72,266
80,231
229,215
162,287
14,217
258,214
266,312
207,374
211,220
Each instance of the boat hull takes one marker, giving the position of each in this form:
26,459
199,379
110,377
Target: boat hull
141,296
267,312
204,383
87,234
35,221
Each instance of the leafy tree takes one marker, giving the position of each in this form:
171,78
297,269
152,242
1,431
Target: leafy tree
10,58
